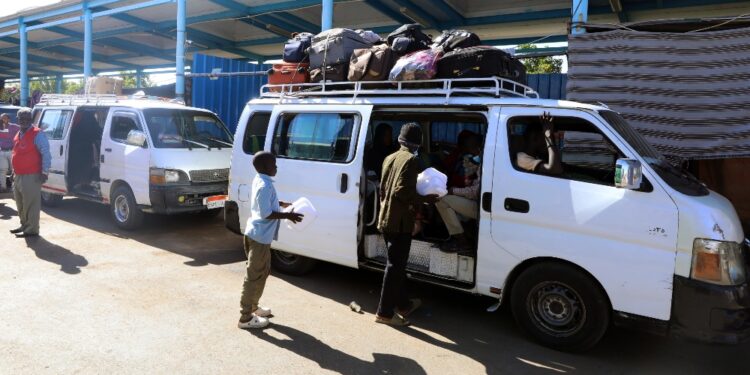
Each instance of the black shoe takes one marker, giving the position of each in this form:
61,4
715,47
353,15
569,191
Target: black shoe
17,230
26,235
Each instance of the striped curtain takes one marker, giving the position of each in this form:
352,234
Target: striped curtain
687,93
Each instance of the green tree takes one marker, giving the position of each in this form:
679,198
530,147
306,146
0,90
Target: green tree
540,65
128,80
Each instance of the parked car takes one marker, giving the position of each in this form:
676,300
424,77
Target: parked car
135,155
619,237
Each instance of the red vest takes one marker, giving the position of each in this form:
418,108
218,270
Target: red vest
26,159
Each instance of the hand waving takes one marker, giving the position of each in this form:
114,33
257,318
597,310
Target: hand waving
547,124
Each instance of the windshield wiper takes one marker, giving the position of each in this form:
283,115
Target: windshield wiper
217,140
196,143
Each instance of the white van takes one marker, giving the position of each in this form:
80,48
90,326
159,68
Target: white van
620,237
135,154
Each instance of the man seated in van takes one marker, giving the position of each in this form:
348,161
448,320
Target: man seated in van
382,146
469,143
463,202
535,147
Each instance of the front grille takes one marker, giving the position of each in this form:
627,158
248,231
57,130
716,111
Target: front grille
210,175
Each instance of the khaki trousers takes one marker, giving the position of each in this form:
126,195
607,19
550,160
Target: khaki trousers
450,205
258,269
27,191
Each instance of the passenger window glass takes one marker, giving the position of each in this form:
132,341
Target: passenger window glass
314,136
255,132
585,154
54,122
122,124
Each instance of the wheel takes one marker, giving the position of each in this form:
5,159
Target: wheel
51,200
124,210
290,263
560,306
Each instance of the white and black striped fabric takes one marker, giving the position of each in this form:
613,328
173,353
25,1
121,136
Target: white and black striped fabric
687,93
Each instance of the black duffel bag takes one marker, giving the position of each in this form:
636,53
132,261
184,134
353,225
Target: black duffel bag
408,38
295,49
454,39
480,62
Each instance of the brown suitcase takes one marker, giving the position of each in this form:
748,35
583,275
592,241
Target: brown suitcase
286,73
371,64
334,73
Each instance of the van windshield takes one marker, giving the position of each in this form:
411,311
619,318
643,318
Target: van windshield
680,180
180,128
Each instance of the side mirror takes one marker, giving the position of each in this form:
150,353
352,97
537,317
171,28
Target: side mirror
628,174
136,138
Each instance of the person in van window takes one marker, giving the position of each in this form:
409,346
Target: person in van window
31,162
538,151
399,199
170,133
382,146
8,131
469,143
262,229
460,201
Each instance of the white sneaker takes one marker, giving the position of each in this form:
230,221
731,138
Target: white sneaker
254,323
263,312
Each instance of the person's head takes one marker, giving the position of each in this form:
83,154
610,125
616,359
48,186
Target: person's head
5,119
265,163
411,136
472,144
24,118
384,135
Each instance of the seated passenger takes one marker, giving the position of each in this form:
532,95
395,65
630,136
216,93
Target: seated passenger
469,143
536,145
382,146
460,201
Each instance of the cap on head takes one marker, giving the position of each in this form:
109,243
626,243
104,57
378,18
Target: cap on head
411,135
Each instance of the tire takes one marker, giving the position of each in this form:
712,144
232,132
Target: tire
291,264
51,200
124,210
560,306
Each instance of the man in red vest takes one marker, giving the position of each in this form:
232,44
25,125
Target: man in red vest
31,161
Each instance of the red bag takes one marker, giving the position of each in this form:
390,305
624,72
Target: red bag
286,73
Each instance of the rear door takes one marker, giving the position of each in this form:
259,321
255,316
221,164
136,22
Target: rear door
319,153
55,122
121,161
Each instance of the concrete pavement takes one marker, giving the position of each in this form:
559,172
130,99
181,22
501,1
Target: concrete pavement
86,297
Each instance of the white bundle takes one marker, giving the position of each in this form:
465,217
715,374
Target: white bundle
304,207
432,181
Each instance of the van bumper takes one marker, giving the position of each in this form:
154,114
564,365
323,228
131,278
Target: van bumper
710,313
166,199
232,216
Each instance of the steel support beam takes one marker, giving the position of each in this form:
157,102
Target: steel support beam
138,78
23,59
580,16
386,10
418,15
59,84
179,87
88,45
618,9
326,17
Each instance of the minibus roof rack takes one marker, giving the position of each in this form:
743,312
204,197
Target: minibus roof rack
489,86
97,99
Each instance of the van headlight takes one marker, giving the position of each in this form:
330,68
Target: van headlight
718,262
160,176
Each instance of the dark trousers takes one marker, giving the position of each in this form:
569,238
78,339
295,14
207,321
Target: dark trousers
393,295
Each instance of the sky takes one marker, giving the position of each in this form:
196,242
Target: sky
13,7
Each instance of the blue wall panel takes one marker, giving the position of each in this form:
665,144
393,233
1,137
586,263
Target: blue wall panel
226,96
549,86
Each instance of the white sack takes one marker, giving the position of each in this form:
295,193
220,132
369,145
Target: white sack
304,207
432,181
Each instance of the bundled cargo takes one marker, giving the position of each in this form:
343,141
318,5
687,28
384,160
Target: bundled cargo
103,85
409,38
332,73
335,47
480,61
295,49
418,65
288,73
372,64
454,39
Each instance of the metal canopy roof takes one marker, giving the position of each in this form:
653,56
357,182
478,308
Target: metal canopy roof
140,34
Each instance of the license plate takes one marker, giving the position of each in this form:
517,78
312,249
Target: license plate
215,201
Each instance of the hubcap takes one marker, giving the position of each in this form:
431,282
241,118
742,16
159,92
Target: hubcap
122,210
556,309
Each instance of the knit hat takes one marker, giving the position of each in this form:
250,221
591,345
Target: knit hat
411,135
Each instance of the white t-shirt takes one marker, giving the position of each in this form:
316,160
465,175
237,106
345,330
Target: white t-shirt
527,162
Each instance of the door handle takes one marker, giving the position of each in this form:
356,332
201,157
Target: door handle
61,150
344,183
107,150
101,159
487,202
516,205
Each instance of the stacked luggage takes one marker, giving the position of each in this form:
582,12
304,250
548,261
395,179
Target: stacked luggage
407,54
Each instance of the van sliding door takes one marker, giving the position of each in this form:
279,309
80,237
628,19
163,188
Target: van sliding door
319,156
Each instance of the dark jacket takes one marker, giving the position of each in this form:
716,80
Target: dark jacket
398,192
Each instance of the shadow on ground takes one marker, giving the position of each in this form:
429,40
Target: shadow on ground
203,239
68,261
458,322
7,213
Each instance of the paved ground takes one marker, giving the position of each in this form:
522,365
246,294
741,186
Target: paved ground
88,298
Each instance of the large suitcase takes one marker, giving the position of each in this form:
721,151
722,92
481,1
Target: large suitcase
334,47
335,73
408,38
372,64
295,49
454,39
478,62
287,73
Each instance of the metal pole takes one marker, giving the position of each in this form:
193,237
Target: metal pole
23,62
58,84
180,63
87,42
326,21
138,77
580,15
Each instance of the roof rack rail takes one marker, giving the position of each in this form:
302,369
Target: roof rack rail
68,99
490,86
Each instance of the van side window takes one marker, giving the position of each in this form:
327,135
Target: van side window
255,132
586,154
54,122
314,136
122,124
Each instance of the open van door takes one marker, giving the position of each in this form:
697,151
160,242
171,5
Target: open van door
55,123
319,154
